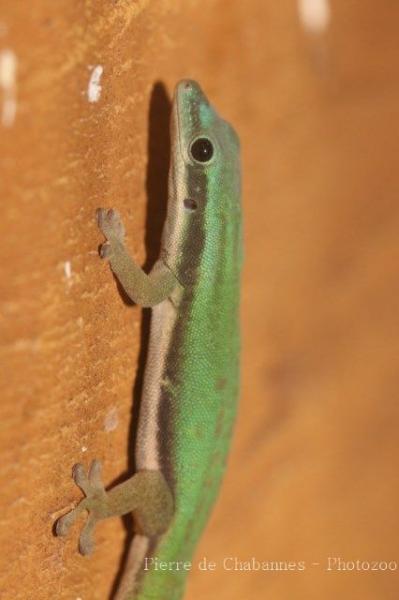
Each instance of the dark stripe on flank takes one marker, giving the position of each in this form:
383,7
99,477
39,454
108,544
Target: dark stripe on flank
141,573
188,273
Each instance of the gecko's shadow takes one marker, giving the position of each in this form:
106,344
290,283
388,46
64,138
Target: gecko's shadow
157,197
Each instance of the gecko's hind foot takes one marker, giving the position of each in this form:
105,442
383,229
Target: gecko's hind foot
110,223
95,503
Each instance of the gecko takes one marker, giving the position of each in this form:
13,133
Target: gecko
191,379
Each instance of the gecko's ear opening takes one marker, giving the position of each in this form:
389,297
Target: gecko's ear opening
190,204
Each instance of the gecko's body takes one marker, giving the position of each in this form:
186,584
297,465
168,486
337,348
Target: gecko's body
191,379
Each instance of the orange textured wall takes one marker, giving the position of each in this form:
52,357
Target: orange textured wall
314,96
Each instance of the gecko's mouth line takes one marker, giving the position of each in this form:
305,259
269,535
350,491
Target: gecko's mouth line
188,99
177,126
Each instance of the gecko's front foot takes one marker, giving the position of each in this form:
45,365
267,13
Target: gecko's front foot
95,503
110,223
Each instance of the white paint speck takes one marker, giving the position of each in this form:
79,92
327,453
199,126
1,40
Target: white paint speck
94,88
8,86
315,15
68,269
111,421
83,449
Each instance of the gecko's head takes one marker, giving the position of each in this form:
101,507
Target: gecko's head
205,165
204,174
204,143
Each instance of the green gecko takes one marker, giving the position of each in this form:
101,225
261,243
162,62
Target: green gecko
192,371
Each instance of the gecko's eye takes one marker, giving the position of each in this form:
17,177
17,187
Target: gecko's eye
202,150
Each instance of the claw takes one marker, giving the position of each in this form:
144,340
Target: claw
63,524
80,478
94,503
86,540
110,223
95,473
105,250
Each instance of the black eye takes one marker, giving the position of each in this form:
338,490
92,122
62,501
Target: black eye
202,150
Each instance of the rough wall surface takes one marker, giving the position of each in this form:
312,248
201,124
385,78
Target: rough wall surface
83,123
